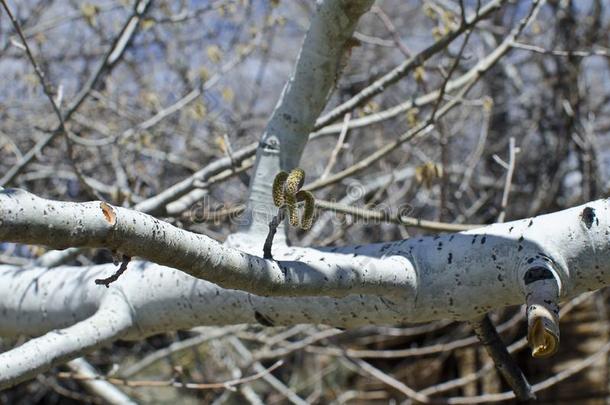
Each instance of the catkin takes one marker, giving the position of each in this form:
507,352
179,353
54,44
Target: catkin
295,181
287,192
278,188
308,211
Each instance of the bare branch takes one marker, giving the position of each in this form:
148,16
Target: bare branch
108,324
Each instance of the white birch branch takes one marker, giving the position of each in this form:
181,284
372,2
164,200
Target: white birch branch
106,325
414,280
325,49
426,278
26,218
569,242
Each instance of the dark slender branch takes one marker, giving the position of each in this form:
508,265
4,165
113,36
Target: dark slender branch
109,280
273,225
454,66
506,365
463,12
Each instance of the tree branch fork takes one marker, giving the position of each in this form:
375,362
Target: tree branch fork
538,261
438,275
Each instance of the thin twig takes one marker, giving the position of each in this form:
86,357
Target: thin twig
557,52
356,212
177,347
291,347
109,280
173,383
475,158
452,69
389,380
512,152
77,396
398,218
385,19
428,350
338,146
273,225
270,379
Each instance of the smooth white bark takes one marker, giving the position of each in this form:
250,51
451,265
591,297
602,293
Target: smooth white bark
325,49
30,219
107,324
413,280
457,276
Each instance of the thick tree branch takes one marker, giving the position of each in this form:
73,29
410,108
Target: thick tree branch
415,280
106,325
29,219
435,275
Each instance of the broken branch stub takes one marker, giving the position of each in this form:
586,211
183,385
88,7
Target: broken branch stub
542,290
